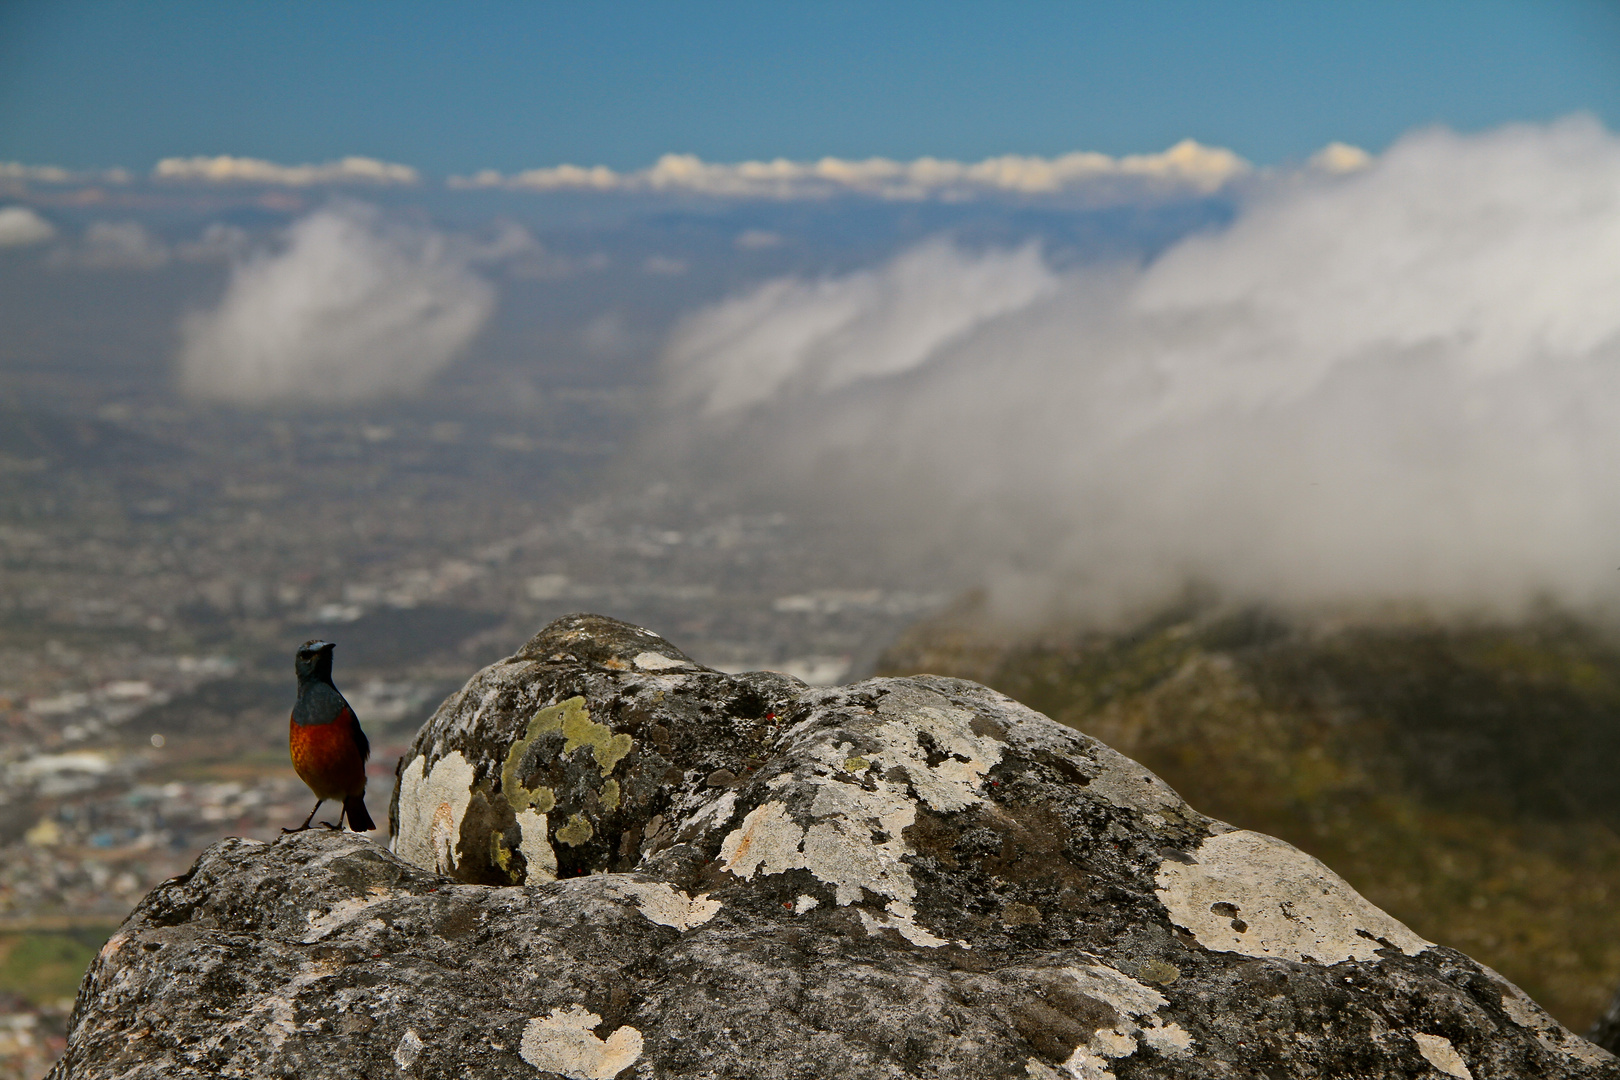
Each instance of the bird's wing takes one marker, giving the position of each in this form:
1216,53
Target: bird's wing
359,735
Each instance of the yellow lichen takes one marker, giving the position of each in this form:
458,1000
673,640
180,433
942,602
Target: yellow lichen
610,795
576,831
561,717
1158,971
580,730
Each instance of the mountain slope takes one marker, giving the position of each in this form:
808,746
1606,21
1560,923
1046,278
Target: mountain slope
1465,778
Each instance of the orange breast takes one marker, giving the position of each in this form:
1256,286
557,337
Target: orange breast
327,758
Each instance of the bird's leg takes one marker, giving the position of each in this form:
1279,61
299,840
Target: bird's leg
339,826
307,820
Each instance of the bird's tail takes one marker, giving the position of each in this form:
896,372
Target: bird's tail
359,819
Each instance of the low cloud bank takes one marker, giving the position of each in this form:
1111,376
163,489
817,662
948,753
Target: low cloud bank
1397,383
225,169
1187,167
353,308
792,338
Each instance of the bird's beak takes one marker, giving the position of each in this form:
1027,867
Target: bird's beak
323,646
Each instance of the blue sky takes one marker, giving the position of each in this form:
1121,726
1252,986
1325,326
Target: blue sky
450,88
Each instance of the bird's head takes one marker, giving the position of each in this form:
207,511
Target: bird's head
313,660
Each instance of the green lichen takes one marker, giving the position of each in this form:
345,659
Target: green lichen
519,797
856,764
499,853
576,831
610,795
1158,971
580,730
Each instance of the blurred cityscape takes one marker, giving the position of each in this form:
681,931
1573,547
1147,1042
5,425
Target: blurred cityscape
160,565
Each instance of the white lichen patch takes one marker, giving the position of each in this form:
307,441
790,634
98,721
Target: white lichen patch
804,903
1129,786
901,918
563,1042
538,853
1254,894
856,842
431,806
1438,1051
851,836
1137,1006
408,1049
855,847
343,913
711,815
767,842
652,661
914,732
668,906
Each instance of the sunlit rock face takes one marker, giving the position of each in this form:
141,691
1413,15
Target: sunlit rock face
611,861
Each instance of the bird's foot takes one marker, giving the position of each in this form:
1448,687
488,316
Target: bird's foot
329,825
301,828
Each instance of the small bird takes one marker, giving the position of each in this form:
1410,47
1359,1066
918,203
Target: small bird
329,750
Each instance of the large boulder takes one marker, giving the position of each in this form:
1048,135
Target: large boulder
609,860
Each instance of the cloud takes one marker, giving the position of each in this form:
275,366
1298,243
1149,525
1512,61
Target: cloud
757,240
20,226
1389,384
1338,157
1187,167
225,169
55,174
353,308
219,242
792,338
112,245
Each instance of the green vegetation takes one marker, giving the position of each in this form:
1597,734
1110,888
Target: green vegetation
45,967
1466,778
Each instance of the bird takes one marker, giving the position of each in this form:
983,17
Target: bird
329,750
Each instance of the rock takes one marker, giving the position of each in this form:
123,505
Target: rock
611,861
1606,1032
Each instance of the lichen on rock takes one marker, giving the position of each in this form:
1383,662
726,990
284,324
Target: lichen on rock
610,861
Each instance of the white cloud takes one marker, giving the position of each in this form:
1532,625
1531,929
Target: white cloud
353,308
1394,383
112,245
1338,157
50,174
55,174
1186,167
20,226
225,169
795,338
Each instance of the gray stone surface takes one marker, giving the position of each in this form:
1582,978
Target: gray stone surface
1606,1032
611,861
